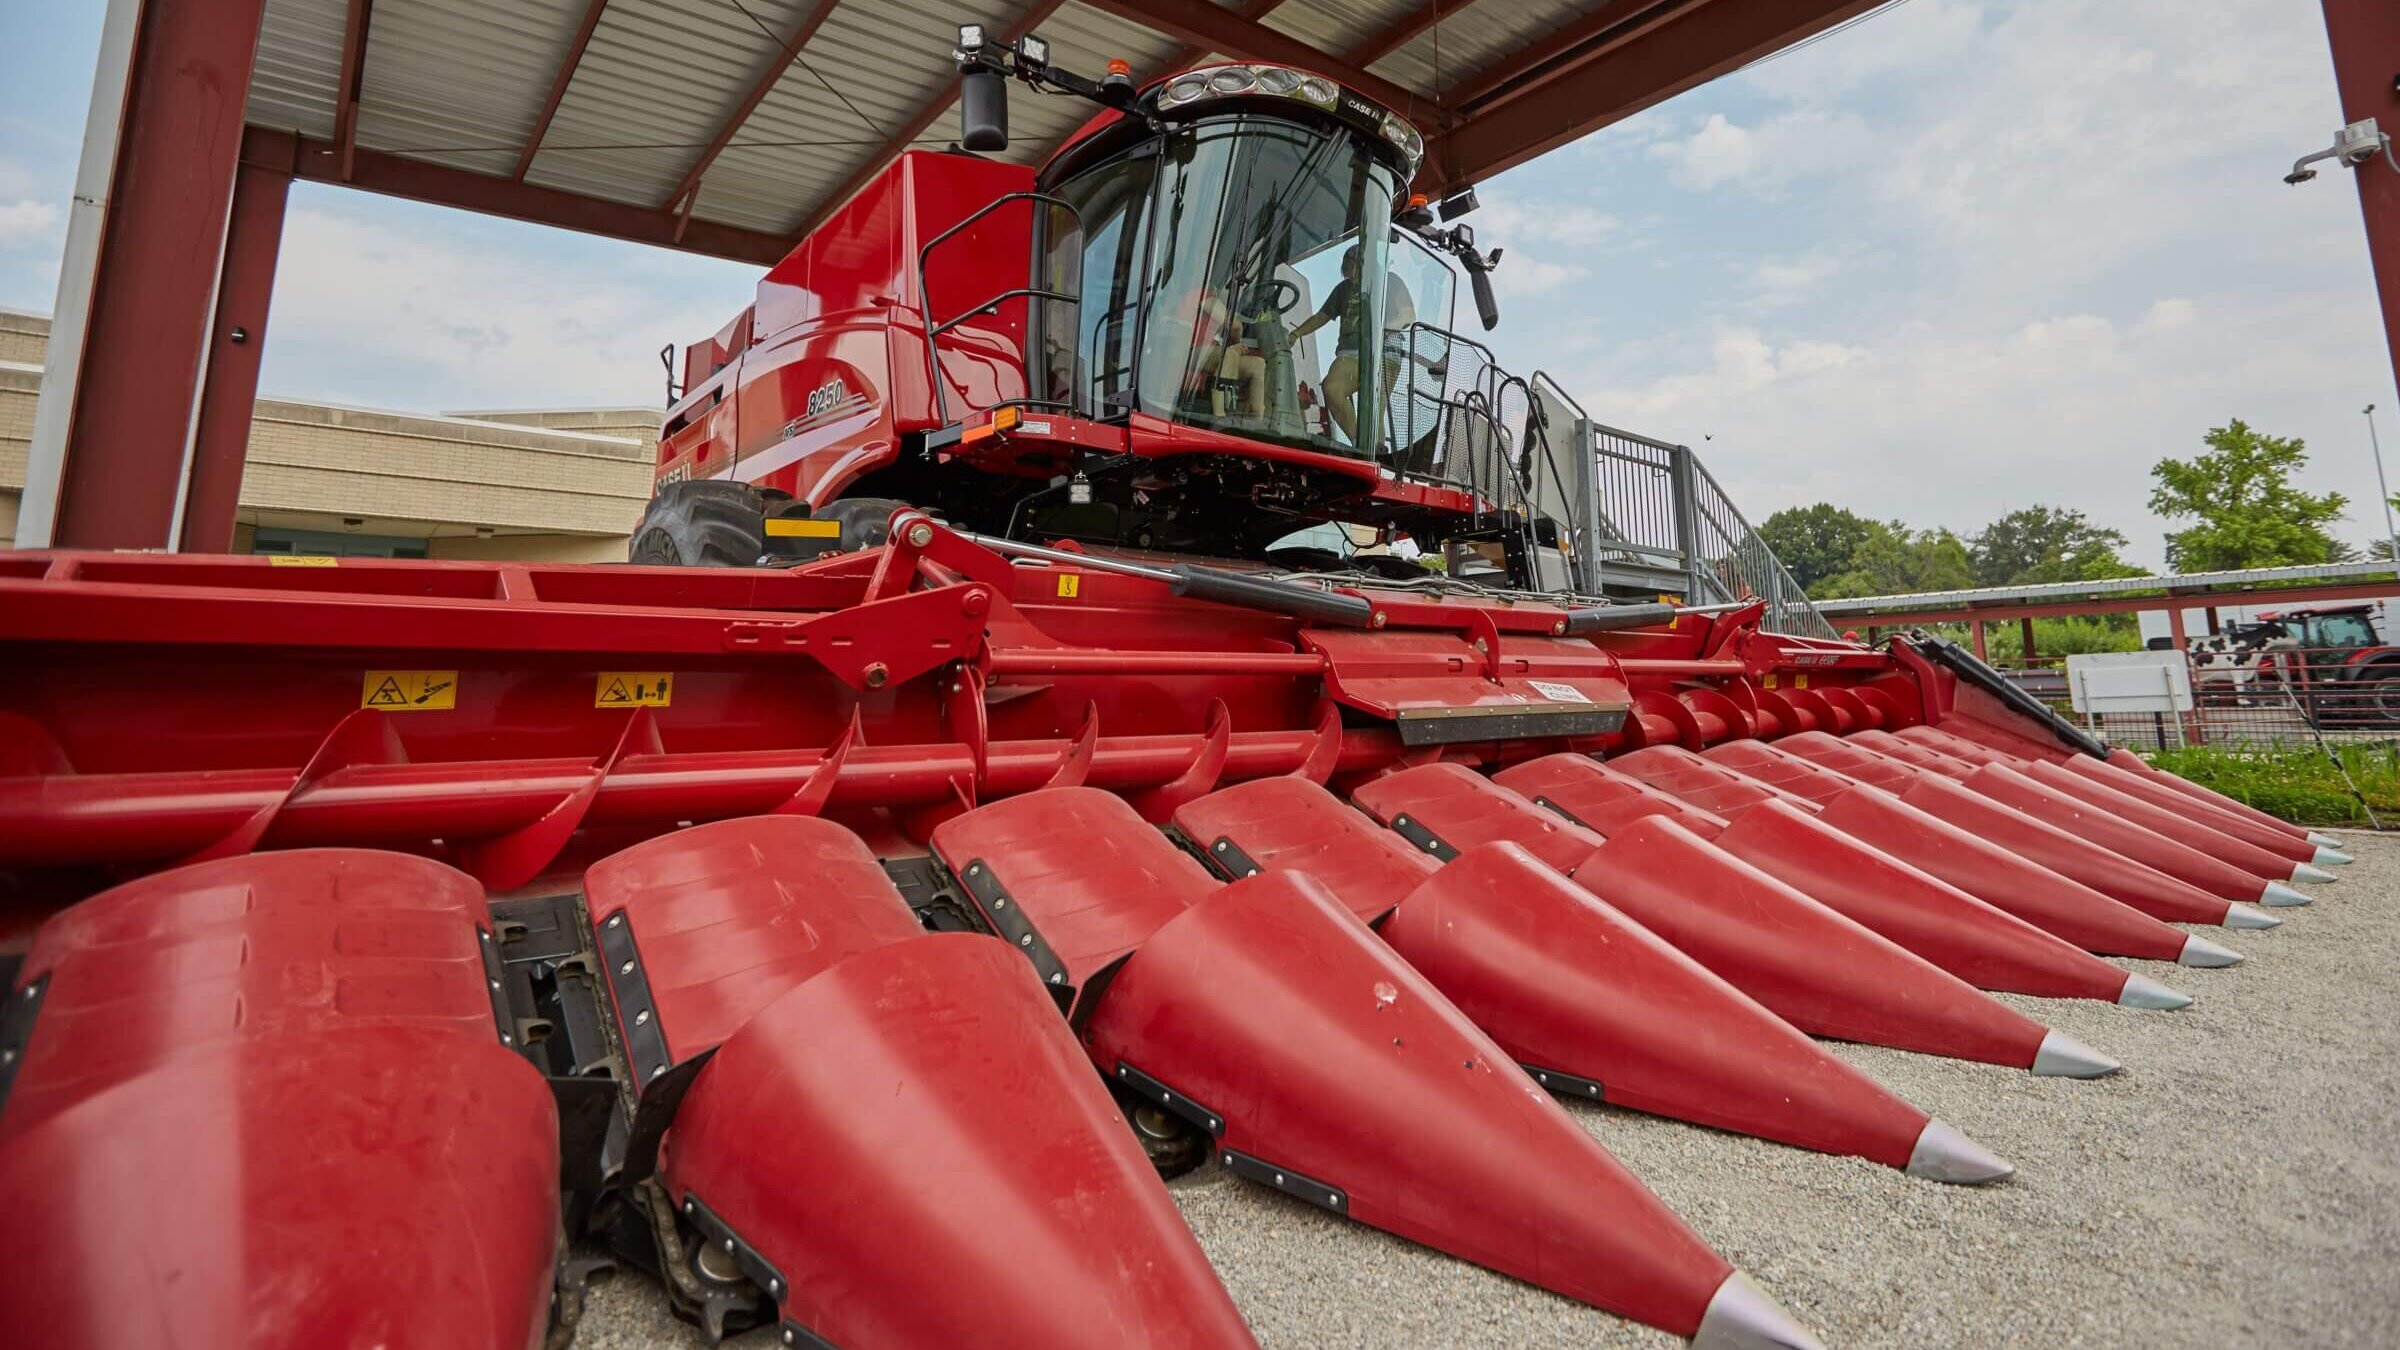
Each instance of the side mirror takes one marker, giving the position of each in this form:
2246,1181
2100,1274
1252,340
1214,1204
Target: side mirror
1487,306
983,109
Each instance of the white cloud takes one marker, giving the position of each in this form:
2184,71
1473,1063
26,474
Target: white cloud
1522,276
2046,249
372,313
1508,220
27,223
1766,157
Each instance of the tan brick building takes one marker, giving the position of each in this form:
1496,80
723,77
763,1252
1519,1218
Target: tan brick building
551,485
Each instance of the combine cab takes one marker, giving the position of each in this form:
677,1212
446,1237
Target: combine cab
1234,336
851,941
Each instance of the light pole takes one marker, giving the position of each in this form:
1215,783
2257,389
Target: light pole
2382,487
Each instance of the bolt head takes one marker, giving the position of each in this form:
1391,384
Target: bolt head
1378,621
920,534
641,1017
877,674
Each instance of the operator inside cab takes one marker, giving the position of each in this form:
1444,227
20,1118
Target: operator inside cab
1208,257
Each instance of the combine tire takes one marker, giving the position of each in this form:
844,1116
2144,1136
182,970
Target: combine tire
704,523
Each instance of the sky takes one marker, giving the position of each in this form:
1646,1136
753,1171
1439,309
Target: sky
1962,257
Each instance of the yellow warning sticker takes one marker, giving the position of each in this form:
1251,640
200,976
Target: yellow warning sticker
1768,681
1800,680
1070,584
410,690
301,560
634,689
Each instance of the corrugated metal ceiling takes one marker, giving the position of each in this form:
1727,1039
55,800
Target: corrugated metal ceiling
462,83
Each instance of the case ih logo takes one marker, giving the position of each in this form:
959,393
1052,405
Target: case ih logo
1363,108
826,396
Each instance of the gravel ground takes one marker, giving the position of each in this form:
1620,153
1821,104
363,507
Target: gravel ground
2235,1186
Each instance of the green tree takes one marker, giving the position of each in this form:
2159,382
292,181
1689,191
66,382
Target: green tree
2046,543
1895,559
2249,513
1816,542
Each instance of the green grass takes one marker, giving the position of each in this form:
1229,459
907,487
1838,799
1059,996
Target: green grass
2299,784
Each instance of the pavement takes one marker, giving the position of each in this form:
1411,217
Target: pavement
2236,1186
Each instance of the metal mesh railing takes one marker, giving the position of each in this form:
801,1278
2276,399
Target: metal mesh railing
2269,696
1661,519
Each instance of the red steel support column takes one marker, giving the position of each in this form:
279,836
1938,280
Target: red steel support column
237,343
155,288
1975,631
2183,652
2366,64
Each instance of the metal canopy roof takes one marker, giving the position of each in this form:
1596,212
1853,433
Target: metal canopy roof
731,126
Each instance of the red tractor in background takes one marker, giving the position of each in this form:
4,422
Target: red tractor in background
2333,659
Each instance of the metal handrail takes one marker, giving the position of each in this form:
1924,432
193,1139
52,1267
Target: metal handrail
933,330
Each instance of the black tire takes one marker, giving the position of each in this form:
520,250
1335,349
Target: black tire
866,521
708,523
2379,694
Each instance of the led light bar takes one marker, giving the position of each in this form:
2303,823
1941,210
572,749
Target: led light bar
1230,81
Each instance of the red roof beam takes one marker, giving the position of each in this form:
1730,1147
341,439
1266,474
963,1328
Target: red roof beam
767,81
354,72
1726,35
558,87
1593,35
439,184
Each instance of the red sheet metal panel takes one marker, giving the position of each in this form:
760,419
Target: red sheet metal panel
909,1149
2189,829
2188,865
1702,781
1291,824
1568,985
1071,875
1823,973
2132,763
1984,946
2112,874
727,918
1447,809
270,1095
1599,798
2117,778
1338,1072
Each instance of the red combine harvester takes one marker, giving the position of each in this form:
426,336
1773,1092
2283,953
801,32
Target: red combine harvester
853,941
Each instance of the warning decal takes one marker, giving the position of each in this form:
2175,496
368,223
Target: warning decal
1558,693
409,690
633,689
1069,585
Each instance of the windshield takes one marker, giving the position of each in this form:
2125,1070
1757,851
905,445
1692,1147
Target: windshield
1258,319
